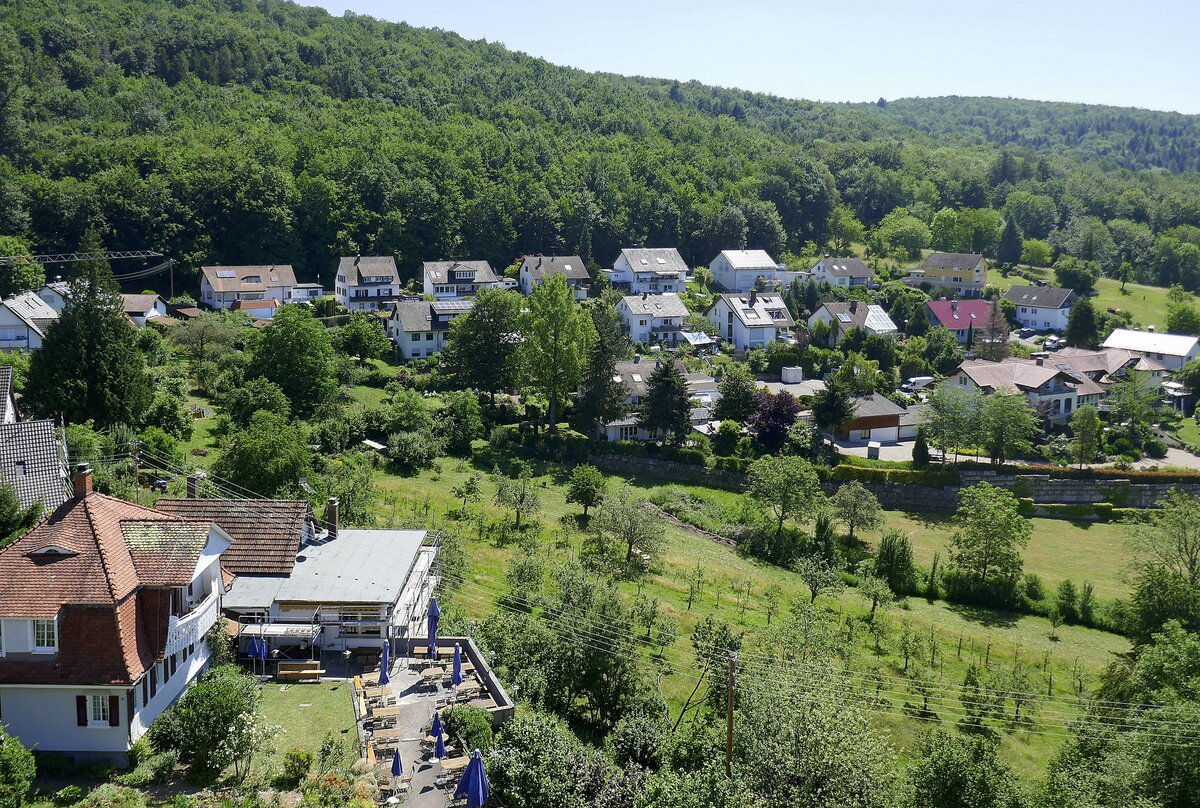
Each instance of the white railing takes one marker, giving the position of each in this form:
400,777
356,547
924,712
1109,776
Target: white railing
192,627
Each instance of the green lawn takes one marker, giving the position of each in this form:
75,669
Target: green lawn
305,712
424,501
1188,431
1147,304
1058,550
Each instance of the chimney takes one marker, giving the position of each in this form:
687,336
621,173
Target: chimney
82,480
193,484
357,259
853,306
645,295
953,305
637,360
1041,361
331,517
753,297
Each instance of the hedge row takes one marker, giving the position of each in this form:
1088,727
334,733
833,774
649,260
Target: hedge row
1101,473
930,478
1102,511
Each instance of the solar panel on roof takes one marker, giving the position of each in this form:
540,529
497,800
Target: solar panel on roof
844,317
452,305
226,273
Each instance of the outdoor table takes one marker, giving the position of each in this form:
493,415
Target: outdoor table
432,674
385,712
374,692
455,764
485,703
387,735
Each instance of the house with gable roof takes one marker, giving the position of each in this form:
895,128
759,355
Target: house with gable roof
652,271
33,461
1044,308
419,328
1172,350
961,317
367,282
965,273
103,621
24,321
223,286
536,268
454,280
844,317
844,272
650,318
743,270
750,320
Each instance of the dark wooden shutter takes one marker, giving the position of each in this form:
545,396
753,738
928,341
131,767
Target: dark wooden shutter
153,680
81,710
114,711
130,704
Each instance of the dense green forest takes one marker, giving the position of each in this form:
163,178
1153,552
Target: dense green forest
235,131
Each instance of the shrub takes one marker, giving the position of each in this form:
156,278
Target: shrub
111,795
692,457
154,769
1033,587
1153,447
54,765
206,712
930,478
166,733
68,795
472,724
17,770
738,464
618,447
296,764
410,451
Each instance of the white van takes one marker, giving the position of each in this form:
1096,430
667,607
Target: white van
916,383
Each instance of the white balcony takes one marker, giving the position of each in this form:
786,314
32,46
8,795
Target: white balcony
192,627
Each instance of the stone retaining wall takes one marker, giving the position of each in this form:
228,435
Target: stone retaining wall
629,466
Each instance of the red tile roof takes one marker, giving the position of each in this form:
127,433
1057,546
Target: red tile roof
266,533
104,568
958,315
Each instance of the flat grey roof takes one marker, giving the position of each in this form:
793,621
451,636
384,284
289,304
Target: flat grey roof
359,566
252,592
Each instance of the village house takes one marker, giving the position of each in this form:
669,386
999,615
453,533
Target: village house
876,418
962,317
536,268
743,270
141,309
419,328
8,401
259,310
649,271
635,376
305,585
221,287
647,318
24,321
33,460
1055,391
1109,365
841,318
1043,308
750,320
1172,350
965,273
844,272
367,282
103,621
54,294
454,280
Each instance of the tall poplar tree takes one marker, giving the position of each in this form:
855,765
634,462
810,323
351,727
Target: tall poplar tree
557,336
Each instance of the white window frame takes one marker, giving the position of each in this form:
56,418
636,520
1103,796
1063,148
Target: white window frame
52,623
98,706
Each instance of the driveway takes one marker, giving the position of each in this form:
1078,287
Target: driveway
887,451
1175,457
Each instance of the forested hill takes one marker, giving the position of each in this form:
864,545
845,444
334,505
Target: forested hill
235,131
1131,138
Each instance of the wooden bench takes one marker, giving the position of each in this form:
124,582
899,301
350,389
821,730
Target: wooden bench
299,672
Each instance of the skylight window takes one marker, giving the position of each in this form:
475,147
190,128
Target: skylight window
637,377
226,273
662,261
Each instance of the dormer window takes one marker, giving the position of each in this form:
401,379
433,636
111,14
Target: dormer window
51,551
252,279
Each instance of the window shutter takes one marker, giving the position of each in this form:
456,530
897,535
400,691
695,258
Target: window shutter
130,704
81,711
114,711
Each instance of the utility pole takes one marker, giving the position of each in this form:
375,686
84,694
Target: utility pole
729,713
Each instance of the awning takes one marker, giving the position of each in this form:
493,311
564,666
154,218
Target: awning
295,631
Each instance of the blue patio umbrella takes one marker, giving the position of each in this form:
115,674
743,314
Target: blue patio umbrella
439,748
384,663
436,729
456,675
474,783
396,767
434,614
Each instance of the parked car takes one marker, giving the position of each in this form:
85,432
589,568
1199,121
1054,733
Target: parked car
916,383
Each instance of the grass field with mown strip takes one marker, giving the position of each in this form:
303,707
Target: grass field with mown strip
305,712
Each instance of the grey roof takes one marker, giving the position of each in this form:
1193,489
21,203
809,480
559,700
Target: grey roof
748,259
33,462
1046,297
252,592
358,268
857,314
140,304
848,267
754,309
442,272
359,566
871,405
425,315
664,305
253,278
915,415
539,266
655,259
6,390
32,310
941,260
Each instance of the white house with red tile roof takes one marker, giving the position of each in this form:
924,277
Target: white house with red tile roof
102,622
959,315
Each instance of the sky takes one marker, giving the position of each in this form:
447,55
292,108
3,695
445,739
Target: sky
1141,53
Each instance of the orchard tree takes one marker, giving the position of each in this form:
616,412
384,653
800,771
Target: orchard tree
519,495
788,486
991,532
268,457
242,402
1088,434
557,336
586,487
627,520
210,335
856,508
952,771
1170,536
894,562
469,490
819,576
1008,425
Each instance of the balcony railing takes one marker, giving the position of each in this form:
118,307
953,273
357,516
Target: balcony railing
192,627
